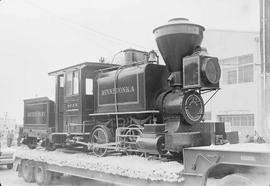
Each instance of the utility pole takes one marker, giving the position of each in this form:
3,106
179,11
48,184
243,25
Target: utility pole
265,61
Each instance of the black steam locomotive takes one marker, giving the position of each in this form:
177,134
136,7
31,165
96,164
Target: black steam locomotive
140,106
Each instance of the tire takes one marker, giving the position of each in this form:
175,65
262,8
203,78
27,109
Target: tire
27,171
42,176
235,180
101,135
10,166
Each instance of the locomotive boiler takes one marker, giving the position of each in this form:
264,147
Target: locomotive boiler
140,106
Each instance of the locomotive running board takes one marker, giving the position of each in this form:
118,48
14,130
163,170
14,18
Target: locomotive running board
122,113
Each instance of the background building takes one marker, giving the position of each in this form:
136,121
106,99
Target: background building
238,103
7,125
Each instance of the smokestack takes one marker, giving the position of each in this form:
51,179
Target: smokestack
177,39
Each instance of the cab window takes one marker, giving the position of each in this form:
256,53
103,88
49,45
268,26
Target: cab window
88,86
72,83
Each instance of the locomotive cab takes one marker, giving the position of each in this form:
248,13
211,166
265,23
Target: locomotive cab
74,96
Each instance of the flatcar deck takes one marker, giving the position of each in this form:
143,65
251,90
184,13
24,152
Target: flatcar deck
200,161
120,170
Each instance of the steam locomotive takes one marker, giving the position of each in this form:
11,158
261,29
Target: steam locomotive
137,107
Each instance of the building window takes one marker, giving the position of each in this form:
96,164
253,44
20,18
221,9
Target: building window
245,74
237,69
238,120
72,83
232,77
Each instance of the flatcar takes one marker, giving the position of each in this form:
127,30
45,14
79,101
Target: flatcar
140,106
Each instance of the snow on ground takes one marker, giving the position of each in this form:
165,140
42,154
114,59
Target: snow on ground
130,166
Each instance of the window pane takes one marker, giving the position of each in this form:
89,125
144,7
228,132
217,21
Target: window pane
246,74
76,82
243,120
232,77
68,84
89,86
61,79
238,120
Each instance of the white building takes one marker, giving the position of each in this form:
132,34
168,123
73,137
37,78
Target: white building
238,103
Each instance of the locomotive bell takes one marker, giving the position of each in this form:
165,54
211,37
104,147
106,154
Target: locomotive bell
177,39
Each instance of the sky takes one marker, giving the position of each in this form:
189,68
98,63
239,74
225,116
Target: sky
40,36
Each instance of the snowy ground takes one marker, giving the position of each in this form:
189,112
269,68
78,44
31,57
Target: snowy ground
130,166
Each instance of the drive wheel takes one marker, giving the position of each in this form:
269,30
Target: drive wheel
42,176
236,180
27,171
101,135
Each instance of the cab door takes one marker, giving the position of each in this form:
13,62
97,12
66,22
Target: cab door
72,102
88,96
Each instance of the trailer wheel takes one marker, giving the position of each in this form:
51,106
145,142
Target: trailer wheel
235,180
10,166
27,171
42,175
101,135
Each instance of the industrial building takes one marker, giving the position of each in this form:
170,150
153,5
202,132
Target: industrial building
239,101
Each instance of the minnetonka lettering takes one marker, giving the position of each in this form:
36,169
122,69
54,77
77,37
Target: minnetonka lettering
119,90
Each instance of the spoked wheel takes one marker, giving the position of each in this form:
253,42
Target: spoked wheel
130,141
101,135
42,176
27,171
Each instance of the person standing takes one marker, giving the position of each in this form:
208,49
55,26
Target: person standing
10,137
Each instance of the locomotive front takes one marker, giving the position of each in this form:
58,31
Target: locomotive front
191,73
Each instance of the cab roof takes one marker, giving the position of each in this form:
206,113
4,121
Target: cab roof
95,65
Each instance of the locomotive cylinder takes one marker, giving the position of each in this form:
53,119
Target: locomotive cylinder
152,144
